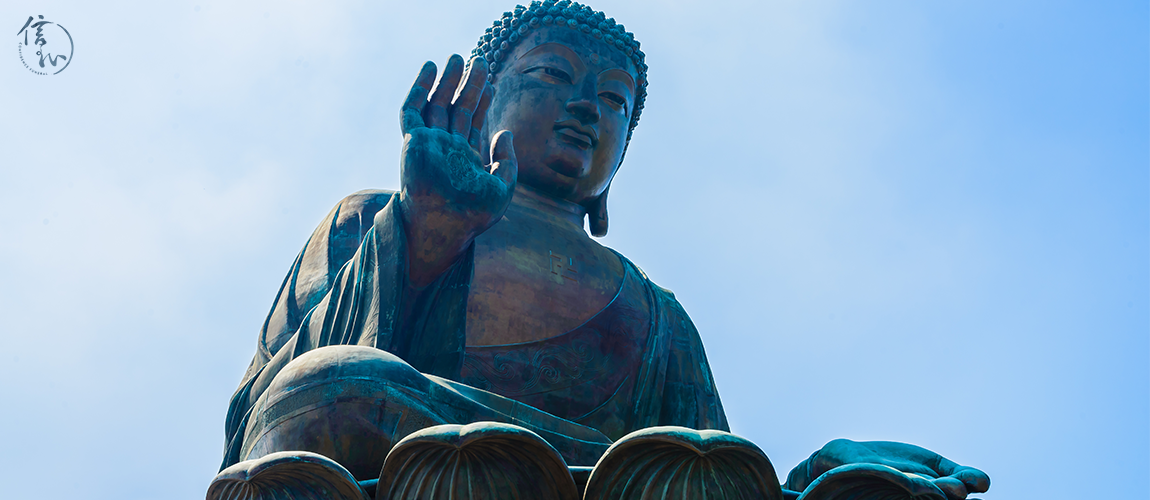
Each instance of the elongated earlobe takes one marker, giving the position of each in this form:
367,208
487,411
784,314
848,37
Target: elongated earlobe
597,215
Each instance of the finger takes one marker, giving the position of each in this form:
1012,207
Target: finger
503,163
435,114
826,458
411,114
953,488
975,480
470,91
476,136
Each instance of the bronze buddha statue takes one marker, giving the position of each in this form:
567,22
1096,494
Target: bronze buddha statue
474,294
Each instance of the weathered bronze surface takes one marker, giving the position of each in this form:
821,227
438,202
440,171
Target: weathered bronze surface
673,462
298,475
867,481
474,297
481,461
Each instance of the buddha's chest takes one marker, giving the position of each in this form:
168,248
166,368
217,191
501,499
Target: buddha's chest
586,374
535,284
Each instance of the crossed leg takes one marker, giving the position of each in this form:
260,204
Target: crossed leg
353,403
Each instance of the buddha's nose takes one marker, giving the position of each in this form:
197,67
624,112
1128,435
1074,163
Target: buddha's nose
583,109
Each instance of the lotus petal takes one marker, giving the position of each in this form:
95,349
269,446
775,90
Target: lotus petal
289,475
480,461
678,463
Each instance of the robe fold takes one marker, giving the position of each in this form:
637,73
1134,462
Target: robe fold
348,287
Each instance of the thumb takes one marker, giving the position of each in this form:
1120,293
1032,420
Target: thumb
503,164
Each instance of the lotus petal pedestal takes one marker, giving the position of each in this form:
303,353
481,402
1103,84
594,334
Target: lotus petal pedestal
676,462
291,475
494,461
480,461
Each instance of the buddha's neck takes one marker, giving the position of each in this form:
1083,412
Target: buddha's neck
562,212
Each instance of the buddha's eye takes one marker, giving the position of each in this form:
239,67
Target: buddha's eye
614,98
558,73
554,73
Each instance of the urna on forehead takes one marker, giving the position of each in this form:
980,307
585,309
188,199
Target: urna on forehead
521,24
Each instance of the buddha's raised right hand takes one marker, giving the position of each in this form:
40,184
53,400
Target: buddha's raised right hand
451,192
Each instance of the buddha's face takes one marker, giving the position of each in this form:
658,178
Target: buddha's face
567,98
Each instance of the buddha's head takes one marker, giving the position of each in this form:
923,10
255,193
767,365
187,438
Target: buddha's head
569,84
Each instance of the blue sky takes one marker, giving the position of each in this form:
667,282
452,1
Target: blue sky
922,221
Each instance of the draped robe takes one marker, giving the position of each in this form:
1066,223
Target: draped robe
348,287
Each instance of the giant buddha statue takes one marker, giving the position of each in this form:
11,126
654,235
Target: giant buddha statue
468,330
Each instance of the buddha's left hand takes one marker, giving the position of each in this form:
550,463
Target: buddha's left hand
955,480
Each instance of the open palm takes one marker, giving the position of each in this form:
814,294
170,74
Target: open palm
451,192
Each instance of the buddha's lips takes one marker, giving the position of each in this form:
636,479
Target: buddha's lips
580,136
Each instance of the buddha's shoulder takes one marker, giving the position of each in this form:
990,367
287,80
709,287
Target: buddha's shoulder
664,293
365,202
676,317
348,222
355,212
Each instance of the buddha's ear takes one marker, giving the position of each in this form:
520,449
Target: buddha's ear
597,215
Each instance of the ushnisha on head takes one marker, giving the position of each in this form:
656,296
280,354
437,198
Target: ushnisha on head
602,86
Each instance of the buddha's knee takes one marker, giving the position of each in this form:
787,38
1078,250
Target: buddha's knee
343,365
343,402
